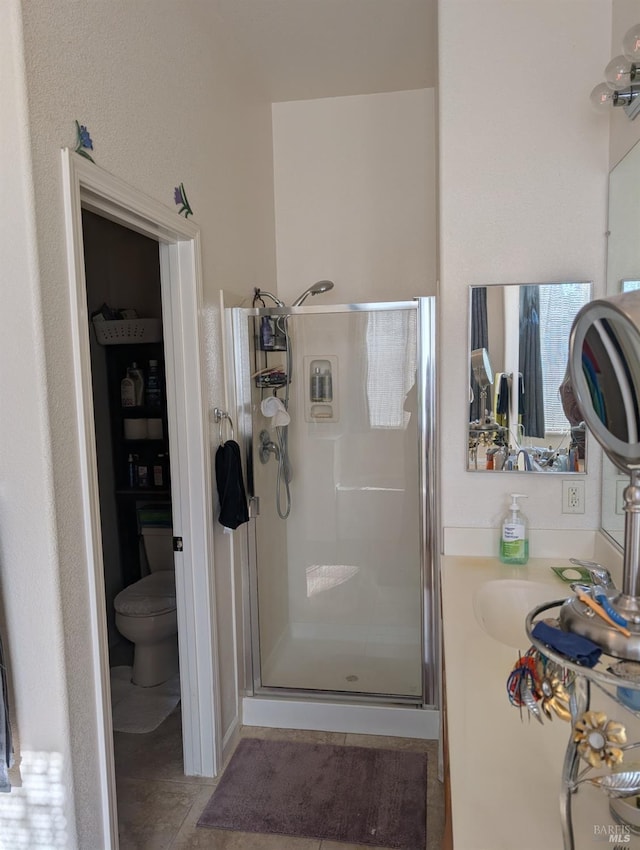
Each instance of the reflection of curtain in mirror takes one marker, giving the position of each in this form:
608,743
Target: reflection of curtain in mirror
531,362
479,339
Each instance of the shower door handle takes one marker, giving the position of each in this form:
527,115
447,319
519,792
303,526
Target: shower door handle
254,506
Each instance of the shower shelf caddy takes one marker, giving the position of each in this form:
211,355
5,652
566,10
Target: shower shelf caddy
580,702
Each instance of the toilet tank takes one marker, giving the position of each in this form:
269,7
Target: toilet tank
158,546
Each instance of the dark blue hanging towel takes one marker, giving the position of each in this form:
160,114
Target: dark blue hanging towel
233,498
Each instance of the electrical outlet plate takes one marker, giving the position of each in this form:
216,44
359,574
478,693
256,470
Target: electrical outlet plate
573,497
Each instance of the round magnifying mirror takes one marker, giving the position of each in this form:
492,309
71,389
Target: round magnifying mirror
604,366
604,369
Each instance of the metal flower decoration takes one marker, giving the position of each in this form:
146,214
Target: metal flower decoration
551,690
83,141
180,197
597,736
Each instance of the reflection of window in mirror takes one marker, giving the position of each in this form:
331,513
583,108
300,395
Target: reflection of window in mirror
528,423
629,285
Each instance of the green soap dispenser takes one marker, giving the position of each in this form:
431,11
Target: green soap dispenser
514,534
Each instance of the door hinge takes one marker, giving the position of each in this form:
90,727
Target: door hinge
254,507
177,544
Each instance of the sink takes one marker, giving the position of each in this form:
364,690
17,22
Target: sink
501,606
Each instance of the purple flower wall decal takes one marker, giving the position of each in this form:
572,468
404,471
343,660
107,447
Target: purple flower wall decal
180,197
83,141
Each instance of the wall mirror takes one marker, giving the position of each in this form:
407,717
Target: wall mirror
623,275
522,415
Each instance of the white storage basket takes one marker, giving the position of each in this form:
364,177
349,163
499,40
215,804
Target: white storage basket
127,331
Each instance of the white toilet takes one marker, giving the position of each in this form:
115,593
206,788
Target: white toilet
146,612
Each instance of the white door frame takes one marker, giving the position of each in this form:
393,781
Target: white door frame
86,186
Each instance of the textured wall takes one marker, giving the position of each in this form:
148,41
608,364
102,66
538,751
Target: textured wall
166,101
523,180
30,616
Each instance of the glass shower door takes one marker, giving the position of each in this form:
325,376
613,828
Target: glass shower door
339,585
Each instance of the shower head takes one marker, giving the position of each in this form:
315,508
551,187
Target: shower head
260,293
316,289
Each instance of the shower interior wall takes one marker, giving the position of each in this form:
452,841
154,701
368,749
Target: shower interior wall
339,580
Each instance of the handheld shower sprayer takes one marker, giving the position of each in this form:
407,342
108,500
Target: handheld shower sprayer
316,289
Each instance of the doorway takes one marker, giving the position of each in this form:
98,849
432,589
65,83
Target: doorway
122,270
88,188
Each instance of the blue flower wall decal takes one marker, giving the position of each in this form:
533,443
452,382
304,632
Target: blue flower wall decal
180,197
83,141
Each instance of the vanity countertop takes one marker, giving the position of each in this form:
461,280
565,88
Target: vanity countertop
505,771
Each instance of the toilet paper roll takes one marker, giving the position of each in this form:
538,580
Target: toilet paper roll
135,429
154,429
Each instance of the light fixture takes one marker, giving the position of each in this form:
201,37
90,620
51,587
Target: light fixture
622,78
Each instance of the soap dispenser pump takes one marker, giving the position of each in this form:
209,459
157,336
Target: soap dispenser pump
514,534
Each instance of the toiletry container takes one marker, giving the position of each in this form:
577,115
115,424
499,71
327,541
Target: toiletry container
326,385
146,611
127,391
514,534
315,390
153,396
137,376
132,471
267,334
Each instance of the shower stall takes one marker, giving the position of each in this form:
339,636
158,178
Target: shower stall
336,413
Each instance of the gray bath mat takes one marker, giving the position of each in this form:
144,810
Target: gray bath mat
136,709
356,795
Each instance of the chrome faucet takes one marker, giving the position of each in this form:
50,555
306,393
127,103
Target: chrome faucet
599,575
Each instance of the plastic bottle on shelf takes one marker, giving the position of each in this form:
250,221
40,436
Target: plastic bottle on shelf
137,376
158,470
132,471
127,391
153,394
143,475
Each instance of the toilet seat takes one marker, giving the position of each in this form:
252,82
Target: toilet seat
153,594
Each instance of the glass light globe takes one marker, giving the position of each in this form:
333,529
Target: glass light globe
631,44
602,97
620,73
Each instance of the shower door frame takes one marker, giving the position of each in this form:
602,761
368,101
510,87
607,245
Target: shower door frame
428,520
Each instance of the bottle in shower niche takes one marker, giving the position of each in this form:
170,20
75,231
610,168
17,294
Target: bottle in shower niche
315,389
153,393
137,376
326,384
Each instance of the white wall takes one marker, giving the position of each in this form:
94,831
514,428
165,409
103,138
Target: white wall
30,615
523,181
355,196
165,101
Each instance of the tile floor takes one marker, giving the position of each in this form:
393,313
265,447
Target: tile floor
159,807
